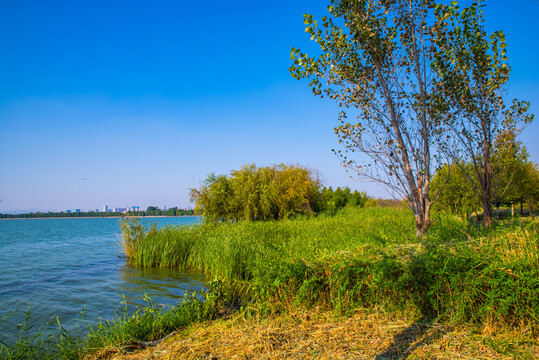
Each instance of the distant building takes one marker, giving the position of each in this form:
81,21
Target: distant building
68,211
77,210
105,208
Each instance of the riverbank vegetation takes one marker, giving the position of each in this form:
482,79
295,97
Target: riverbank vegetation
124,333
461,276
359,264
284,249
366,258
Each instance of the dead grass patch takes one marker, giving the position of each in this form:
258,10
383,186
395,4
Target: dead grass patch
322,335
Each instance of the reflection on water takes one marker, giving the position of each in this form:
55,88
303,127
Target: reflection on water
164,286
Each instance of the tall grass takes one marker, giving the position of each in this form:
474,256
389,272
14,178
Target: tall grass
126,332
232,251
367,258
50,341
360,258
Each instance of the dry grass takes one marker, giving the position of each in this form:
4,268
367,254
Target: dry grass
322,335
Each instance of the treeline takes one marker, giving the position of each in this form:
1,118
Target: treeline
269,193
155,211
515,180
334,200
60,214
150,211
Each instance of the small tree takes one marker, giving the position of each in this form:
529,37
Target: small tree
457,196
514,179
334,200
375,64
530,185
473,69
509,158
524,187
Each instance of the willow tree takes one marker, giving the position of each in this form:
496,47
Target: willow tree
259,193
375,63
473,69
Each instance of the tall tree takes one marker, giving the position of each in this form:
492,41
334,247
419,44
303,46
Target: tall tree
473,69
375,63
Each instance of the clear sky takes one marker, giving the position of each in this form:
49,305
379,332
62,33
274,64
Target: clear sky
134,102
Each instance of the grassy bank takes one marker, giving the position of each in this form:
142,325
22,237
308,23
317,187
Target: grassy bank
366,258
125,333
460,279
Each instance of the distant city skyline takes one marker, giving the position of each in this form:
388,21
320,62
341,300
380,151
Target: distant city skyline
105,208
131,103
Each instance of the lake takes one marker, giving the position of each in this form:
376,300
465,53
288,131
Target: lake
61,267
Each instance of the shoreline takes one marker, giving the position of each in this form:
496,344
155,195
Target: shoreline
99,217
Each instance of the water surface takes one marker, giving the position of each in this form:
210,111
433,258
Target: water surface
61,266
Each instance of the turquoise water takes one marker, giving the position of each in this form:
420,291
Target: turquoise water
61,266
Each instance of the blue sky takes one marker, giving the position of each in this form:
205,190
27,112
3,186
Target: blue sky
144,99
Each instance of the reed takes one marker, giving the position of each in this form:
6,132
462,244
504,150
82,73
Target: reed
367,258
233,250
125,333
49,341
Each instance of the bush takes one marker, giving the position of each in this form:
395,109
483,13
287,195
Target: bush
269,193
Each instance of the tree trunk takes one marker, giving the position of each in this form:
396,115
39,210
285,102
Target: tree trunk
422,224
521,214
530,205
487,215
485,181
512,209
422,217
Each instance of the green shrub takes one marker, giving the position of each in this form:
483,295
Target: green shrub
258,193
269,193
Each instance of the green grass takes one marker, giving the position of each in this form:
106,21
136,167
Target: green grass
235,250
50,341
367,258
148,323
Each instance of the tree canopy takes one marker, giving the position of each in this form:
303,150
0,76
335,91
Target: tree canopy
269,193
473,71
375,62
516,179
258,193
420,85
